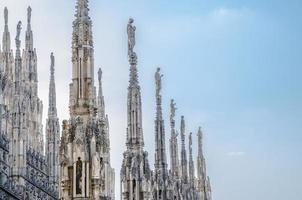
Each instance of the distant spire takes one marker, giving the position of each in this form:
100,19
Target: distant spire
160,149
134,129
52,108
17,40
200,137
101,102
52,129
131,54
18,60
191,162
184,162
174,159
6,35
29,34
161,171
203,184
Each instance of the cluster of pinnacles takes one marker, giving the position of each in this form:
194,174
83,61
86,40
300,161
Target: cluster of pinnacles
77,165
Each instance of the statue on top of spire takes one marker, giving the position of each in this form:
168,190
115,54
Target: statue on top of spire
18,42
52,65
52,58
131,36
100,75
29,14
158,77
173,109
5,15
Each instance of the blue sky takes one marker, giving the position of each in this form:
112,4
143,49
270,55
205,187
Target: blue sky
232,66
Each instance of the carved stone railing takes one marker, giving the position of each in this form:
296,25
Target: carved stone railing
36,160
10,190
37,179
4,142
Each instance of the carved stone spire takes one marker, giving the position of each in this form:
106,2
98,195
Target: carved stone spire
174,159
102,114
85,146
184,162
161,172
82,90
134,129
201,174
6,42
18,59
7,53
101,102
200,147
30,74
82,9
29,44
191,162
52,129
52,105
203,182
135,170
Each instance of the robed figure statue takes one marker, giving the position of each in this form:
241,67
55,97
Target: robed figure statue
78,176
131,36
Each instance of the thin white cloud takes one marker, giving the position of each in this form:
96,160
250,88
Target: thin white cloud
236,153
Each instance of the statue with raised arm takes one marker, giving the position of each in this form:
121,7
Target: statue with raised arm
158,77
131,36
18,42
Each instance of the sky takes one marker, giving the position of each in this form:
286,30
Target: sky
233,67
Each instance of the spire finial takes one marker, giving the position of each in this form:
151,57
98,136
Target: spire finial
52,110
82,8
29,14
101,101
18,42
158,77
52,64
200,136
5,15
131,37
173,109
182,125
100,73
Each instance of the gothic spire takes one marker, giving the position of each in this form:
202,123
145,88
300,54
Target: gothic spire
82,90
29,34
184,162
82,9
52,108
134,130
131,54
6,35
200,137
160,145
52,129
191,162
200,158
173,142
160,150
101,102
18,59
